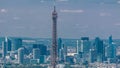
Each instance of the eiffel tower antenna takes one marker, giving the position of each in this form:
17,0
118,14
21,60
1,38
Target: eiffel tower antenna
54,2
54,5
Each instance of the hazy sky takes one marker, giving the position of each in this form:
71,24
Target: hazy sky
32,18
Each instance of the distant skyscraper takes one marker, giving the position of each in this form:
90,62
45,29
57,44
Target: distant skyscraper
92,55
60,49
61,55
85,44
100,49
111,50
64,52
84,48
36,53
16,44
21,55
54,39
77,47
110,39
4,49
8,44
42,47
59,43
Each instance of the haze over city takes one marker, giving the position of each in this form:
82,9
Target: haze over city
59,34
32,18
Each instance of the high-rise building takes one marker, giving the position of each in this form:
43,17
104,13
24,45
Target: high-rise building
42,47
110,39
16,44
61,55
4,49
59,43
8,44
21,55
60,51
85,45
100,49
84,48
111,50
92,55
59,46
77,47
36,53
54,39
64,52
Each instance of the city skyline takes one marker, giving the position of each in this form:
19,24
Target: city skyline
77,18
39,34
83,53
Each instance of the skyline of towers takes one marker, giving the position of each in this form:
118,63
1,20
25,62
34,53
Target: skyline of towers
84,47
94,54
